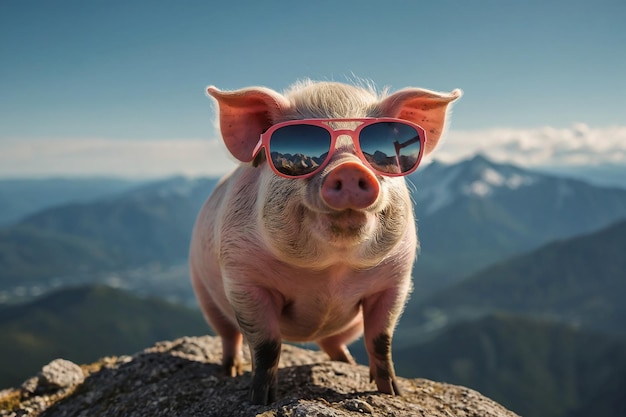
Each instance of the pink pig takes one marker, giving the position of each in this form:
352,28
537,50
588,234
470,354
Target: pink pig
323,257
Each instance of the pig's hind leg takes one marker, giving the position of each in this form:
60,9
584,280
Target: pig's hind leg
336,347
232,339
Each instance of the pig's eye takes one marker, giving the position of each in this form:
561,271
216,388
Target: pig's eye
299,149
391,147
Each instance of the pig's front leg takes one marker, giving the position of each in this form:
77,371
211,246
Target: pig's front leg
257,311
380,314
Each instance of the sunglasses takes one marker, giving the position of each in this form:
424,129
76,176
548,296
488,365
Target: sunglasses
301,148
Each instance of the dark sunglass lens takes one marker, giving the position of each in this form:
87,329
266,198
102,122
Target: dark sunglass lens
391,147
299,149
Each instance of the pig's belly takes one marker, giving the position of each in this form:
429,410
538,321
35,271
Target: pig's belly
309,321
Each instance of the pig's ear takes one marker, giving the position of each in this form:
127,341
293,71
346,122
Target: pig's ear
244,115
423,107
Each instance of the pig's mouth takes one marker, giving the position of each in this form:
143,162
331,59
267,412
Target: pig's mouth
348,225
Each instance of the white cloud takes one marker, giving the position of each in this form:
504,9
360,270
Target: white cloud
130,158
577,146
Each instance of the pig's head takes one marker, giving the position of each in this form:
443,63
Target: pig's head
345,212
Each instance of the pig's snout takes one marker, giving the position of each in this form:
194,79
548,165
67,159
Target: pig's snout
350,185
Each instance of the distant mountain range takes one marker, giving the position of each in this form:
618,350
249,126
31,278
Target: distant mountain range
536,368
22,197
580,281
149,224
470,215
84,324
528,268
475,213
604,174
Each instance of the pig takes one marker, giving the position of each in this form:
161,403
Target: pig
326,258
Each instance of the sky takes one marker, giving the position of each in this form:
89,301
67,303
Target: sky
117,88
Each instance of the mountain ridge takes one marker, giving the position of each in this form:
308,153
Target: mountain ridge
20,197
497,211
145,225
84,323
536,367
510,211
579,280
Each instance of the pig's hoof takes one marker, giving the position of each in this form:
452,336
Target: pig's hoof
232,367
387,385
263,394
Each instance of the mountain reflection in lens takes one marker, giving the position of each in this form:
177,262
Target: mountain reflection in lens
390,147
299,149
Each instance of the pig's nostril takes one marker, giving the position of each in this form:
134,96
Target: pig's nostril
350,185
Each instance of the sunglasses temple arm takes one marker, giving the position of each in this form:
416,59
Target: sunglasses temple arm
258,147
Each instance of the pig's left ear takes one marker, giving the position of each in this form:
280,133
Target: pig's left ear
244,115
423,107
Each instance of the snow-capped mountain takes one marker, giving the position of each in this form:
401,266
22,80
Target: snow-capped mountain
477,212
438,184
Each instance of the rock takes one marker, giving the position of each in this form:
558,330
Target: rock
56,375
182,378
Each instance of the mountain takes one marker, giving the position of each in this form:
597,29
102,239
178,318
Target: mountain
28,253
22,197
580,280
535,368
478,212
151,223
471,214
83,324
605,174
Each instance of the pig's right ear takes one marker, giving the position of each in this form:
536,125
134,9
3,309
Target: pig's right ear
426,108
244,115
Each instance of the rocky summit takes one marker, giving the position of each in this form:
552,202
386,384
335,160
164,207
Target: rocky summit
183,378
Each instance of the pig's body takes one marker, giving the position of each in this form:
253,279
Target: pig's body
272,259
314,297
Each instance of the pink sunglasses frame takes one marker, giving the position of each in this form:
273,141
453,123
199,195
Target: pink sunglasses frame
264,141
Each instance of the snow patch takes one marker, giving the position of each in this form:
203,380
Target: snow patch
478,188
563,191
491,179
440,195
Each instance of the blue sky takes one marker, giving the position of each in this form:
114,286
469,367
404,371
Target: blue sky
83,81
